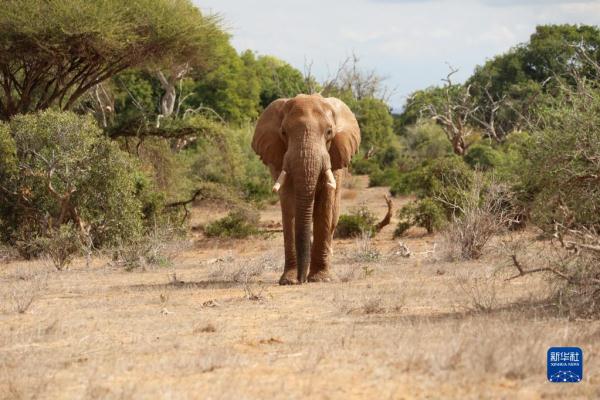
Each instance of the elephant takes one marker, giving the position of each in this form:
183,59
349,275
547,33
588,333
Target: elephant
307,143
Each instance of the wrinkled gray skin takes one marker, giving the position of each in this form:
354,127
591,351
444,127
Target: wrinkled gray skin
305,136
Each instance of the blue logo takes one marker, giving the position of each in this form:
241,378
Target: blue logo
565,364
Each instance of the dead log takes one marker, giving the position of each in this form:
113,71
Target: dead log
388,216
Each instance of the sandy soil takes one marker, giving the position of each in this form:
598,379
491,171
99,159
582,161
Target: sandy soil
215,324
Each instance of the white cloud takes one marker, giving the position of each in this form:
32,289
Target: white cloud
409,41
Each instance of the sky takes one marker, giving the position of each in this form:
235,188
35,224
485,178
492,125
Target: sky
409,42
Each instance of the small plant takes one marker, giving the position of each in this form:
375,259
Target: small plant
366,252
20,295
237,224
61,245
151,250
360,221
367,271
373,305
482,292
425,213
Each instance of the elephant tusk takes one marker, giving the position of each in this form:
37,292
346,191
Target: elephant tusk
280,181
330,179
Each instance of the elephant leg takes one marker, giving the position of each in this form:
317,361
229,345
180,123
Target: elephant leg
325,218
286,201
290,271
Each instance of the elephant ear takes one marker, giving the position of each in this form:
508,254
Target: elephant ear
267,142
347,139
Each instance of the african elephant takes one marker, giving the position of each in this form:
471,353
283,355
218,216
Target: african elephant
307,143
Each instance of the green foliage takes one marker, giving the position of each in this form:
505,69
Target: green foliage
237,224
78,43
360,221
8,153
561,179
375,121
426,213
69,172
424,141
443,176
227,158
387,177
522,74
363,166
483,156
232,89
135,94
414,106
277,79
60,245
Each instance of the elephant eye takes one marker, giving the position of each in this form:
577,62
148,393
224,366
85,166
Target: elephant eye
328,132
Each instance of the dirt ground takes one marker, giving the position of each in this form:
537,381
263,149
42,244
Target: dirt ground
215,324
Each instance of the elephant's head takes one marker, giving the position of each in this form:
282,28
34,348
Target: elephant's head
305,138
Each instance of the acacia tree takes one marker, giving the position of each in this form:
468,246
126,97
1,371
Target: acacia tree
53,51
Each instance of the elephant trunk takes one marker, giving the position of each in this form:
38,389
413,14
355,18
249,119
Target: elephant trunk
306,177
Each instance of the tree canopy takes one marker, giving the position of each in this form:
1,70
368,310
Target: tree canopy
52,52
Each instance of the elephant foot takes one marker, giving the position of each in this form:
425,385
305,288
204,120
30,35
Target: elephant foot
323,275
289,277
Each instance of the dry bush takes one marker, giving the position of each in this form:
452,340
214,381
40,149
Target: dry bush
230,269
482,212
364,250
482,292
19,295
570,263
155,250
379,301
7,253
349,272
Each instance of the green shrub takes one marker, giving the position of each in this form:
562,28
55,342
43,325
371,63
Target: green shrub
69,173
362,166
445,178
226,157
237,224
426,141
426,213
483,157
360,221
560,180
388,157
61,245
387,177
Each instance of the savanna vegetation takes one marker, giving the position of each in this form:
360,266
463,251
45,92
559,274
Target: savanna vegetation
515,145
119,121
117,117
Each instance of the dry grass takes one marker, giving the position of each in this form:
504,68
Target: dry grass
217,325
22,288
349,194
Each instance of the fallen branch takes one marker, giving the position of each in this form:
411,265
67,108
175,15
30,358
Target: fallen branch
523,271
388,216
184,203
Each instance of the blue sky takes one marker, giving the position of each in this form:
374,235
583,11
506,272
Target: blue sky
408,41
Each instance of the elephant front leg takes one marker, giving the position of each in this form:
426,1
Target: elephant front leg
290,270
325,219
